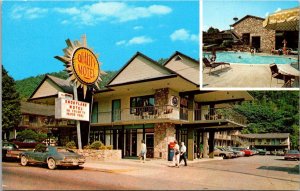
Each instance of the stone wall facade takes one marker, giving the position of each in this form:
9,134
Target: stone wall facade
91,154
254,26
161,96
164,133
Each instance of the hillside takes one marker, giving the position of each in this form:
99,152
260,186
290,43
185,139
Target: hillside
26,86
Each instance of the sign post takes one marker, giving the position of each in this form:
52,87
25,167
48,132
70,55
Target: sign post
84,70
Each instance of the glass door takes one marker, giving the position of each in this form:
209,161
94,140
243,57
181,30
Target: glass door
116,110
149,137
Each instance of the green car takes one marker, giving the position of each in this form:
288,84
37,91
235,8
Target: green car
262,151
52,156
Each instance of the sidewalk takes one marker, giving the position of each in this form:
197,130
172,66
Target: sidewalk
125,165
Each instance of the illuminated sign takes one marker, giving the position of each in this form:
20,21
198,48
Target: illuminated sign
71,109
81,64
85,66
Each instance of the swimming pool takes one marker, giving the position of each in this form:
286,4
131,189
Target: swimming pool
247,58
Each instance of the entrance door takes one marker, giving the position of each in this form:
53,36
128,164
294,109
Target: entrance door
149,137
130,143
256,42
116,110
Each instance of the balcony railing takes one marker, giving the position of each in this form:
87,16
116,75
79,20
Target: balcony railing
139,113
168,112
220,113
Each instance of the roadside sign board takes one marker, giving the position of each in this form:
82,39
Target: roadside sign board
71,109
65,96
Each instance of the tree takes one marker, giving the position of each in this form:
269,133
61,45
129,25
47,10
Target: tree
212,30
11,107
162,61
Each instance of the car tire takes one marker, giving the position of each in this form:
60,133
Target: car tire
224,156
51,163
24,160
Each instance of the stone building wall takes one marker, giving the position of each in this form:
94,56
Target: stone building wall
254,26
164,133
102,155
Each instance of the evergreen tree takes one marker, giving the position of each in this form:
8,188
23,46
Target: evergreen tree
11,107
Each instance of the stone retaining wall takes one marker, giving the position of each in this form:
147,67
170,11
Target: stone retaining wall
100,154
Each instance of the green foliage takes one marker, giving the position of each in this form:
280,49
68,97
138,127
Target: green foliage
212,30
162,61
71,145
227,43
104,147
30,134
96,145
26,86
272,112
40,148
11,112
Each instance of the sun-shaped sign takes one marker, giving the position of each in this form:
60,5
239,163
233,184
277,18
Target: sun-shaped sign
81,64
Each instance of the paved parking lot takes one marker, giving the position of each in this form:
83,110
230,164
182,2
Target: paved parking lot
245,173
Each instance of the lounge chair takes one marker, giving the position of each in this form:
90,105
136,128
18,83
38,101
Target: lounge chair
275,73
213,65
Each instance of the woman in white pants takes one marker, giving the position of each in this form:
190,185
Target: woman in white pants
176,154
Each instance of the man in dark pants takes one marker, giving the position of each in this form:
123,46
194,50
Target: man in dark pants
183,153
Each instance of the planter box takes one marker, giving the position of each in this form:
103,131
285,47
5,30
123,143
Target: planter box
100,154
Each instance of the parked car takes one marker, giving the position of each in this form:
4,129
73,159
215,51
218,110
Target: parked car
27,143
223,153
292,154
10,151
246,151
262,151
238,153
52,156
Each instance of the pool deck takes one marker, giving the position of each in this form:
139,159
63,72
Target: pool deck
241,76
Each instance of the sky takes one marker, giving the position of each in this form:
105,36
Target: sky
220,13
33,32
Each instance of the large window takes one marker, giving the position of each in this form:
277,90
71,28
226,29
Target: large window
138,103
95,112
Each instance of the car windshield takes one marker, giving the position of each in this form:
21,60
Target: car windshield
293,152
64,150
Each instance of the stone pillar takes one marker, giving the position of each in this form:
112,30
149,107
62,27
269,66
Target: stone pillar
190,144
211,144
161,97
164,133
205,145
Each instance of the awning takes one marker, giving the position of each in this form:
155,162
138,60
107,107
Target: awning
285,20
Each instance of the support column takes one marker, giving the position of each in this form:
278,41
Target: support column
205,145
190,143
211,144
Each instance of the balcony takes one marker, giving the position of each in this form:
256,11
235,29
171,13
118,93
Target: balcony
220,114
168,112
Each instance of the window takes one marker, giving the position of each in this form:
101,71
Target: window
141,102
95,112
32,119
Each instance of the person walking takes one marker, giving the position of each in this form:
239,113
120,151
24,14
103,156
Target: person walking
183,153
176,154
143,151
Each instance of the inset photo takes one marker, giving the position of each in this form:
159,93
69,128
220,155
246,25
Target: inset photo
250,44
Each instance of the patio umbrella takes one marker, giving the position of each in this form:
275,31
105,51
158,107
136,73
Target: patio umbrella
285,20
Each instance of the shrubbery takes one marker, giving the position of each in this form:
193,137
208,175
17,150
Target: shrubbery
98,145
30,134
71,145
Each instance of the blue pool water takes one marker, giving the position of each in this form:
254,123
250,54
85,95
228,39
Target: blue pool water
247,58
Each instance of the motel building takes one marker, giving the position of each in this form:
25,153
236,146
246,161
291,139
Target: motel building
154,102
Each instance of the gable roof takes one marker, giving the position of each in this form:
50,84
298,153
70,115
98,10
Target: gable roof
168,72
245,17
182,75
266,135
37,109
63,84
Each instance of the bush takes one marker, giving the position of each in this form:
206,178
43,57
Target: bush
108,147
96,145
27,134
40,148
71,145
